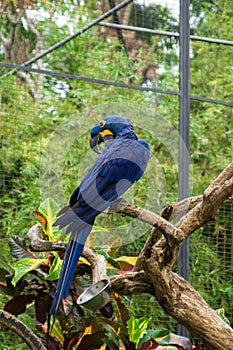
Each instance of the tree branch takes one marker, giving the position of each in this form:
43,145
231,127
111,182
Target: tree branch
132,283
98,262
170,231
15,325
153,271
180,300
14,21
214,196
176,295
176,209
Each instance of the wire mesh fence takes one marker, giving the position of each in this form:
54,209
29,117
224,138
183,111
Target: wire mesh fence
126,64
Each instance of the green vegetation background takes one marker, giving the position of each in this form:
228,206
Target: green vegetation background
27,125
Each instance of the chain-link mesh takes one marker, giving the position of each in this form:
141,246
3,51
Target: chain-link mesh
34,105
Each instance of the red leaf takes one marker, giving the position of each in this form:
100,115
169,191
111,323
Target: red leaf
67,305
91,341
41,218
122,309
181,342
42,305
69,343
107,310
91,337
17,305
149,345
51,344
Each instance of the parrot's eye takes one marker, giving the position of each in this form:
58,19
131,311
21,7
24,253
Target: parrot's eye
102,123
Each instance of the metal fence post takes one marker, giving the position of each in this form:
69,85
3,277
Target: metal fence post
184,125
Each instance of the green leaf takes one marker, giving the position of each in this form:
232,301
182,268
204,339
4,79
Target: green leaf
111,271
18,248
56,331
116,327
221,313
161,336
55,269
108,258
24,266
137,328
97,229
111,345
5,265
48,209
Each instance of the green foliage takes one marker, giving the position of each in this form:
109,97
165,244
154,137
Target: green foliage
47,215
22,267
40,273
155,17
18,248
27,127
211,282
137,328
55,269
221,313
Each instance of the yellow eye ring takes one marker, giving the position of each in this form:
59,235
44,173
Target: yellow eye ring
101,123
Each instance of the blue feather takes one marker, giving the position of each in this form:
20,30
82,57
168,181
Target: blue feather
73,253
121,163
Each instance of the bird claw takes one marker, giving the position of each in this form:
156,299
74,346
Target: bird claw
115,206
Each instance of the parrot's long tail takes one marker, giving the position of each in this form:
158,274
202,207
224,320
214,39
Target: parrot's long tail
70,261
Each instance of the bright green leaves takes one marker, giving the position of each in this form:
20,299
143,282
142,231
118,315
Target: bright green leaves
144,337
27,260
46,214
221,313
55,269
22,267
137,328
161,336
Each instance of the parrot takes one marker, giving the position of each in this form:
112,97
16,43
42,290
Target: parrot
121,163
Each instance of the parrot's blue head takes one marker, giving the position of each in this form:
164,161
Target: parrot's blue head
107,129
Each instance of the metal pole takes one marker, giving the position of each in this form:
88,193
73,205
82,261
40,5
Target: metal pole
162,32
118,29
79,32
183,263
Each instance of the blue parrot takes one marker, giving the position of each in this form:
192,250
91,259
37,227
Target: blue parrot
122,162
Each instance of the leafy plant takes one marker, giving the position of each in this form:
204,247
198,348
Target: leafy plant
137,328
27,126
33,283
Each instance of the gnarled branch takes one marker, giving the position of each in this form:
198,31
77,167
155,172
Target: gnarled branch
153,271
98,262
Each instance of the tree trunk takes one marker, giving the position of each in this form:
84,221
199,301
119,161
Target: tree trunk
178,298
153,271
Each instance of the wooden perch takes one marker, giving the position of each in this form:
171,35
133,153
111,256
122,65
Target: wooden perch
175,295
98,262
178,298
153,271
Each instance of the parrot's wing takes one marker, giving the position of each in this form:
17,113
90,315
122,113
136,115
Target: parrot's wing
114,172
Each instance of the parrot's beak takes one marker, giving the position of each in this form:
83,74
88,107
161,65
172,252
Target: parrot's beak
105,136
95,142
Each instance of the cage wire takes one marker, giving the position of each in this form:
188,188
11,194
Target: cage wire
150,61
